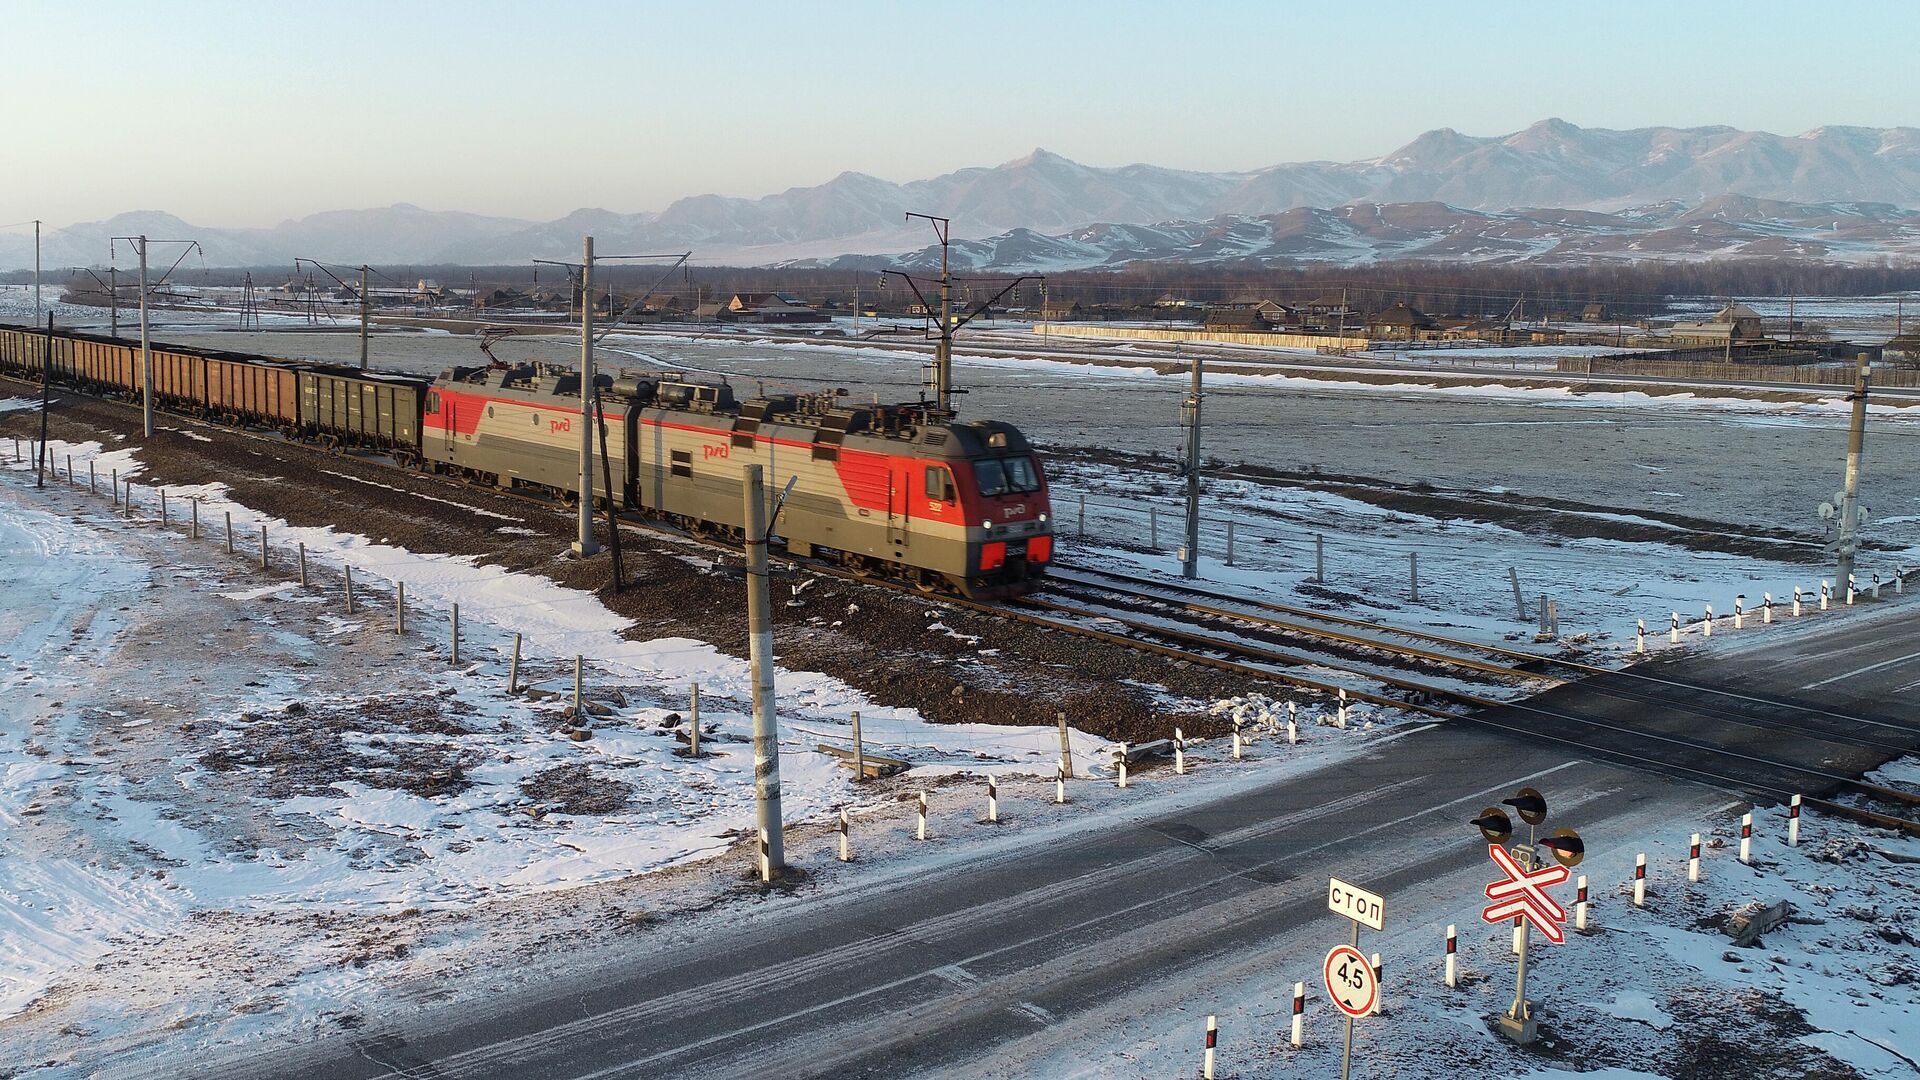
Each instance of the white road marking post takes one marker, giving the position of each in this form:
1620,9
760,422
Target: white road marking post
1059,783
1826,593
1640,880
920,830
1342,717
1766,609
1179,752
1796,601
1640,636
1293,728
1299,1012
1706,622
1378,970
1213,1035
1693,859
1519,928
1740,613
993,802
1120,766
766,858
1236,738
1580,905
1849,590
1453,973
1746,839
1874,591
1673,630
846,844
1793,822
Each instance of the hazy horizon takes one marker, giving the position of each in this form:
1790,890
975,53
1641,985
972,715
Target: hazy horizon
247,117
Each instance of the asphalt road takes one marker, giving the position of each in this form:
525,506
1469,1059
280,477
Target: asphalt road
958,967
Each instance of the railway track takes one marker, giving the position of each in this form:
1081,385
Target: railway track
1408,650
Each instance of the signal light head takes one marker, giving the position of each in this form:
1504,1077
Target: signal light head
1495,825
1531,804
1567,847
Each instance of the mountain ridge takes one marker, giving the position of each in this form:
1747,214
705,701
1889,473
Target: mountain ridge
1552,163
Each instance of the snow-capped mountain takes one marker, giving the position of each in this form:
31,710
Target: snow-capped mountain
1550,164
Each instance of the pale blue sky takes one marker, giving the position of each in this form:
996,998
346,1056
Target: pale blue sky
248,113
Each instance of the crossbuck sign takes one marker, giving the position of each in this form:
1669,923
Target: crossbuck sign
1522,894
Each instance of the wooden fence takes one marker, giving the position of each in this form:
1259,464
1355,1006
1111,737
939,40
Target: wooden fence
1219,337
1804,374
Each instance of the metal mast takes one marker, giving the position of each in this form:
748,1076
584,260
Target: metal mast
584,546
1190,410
1850,499
146,350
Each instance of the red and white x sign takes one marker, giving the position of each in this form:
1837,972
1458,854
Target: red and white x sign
1523,895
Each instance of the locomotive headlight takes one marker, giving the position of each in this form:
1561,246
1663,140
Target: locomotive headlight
1043,519
987,524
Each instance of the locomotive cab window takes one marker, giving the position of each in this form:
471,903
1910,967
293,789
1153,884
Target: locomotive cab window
1006,476
433,404
939,483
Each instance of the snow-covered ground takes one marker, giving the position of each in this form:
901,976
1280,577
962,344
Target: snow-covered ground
191,749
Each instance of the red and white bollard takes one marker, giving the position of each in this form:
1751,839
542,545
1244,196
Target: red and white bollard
1580,905
846,843
1213,1036
1693,859
1793,822
1179,752
1640,880
1299,1012
1453,961
1746,839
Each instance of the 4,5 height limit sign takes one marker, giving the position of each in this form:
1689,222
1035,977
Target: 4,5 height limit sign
1352,982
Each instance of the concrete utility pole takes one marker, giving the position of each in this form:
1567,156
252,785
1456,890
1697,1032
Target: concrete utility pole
1190,555
36,271
584,546
146,350
766,732
363,317
146,343
1850,499
943,346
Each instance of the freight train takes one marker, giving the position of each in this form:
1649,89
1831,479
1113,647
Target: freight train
897,491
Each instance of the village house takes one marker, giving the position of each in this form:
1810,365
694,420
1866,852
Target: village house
1401,322
770,308
1061,310
1733,323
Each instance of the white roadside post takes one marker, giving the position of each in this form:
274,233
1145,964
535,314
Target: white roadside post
1706,622
1580,905
1793,822
1640,636
1353,980
1179,752
1640,880
1293,727
993,802
1059,783
1693,859
1343,708
1766,609
1213,1036
1299,1012
920,830
1796,601
1746,839
1673,629
1453,973
1236,738
1826,593
1120,766
1740,613
846,844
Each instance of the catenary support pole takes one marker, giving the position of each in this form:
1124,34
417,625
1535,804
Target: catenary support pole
766,736
1190,555
146,349
1850,494
584,545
